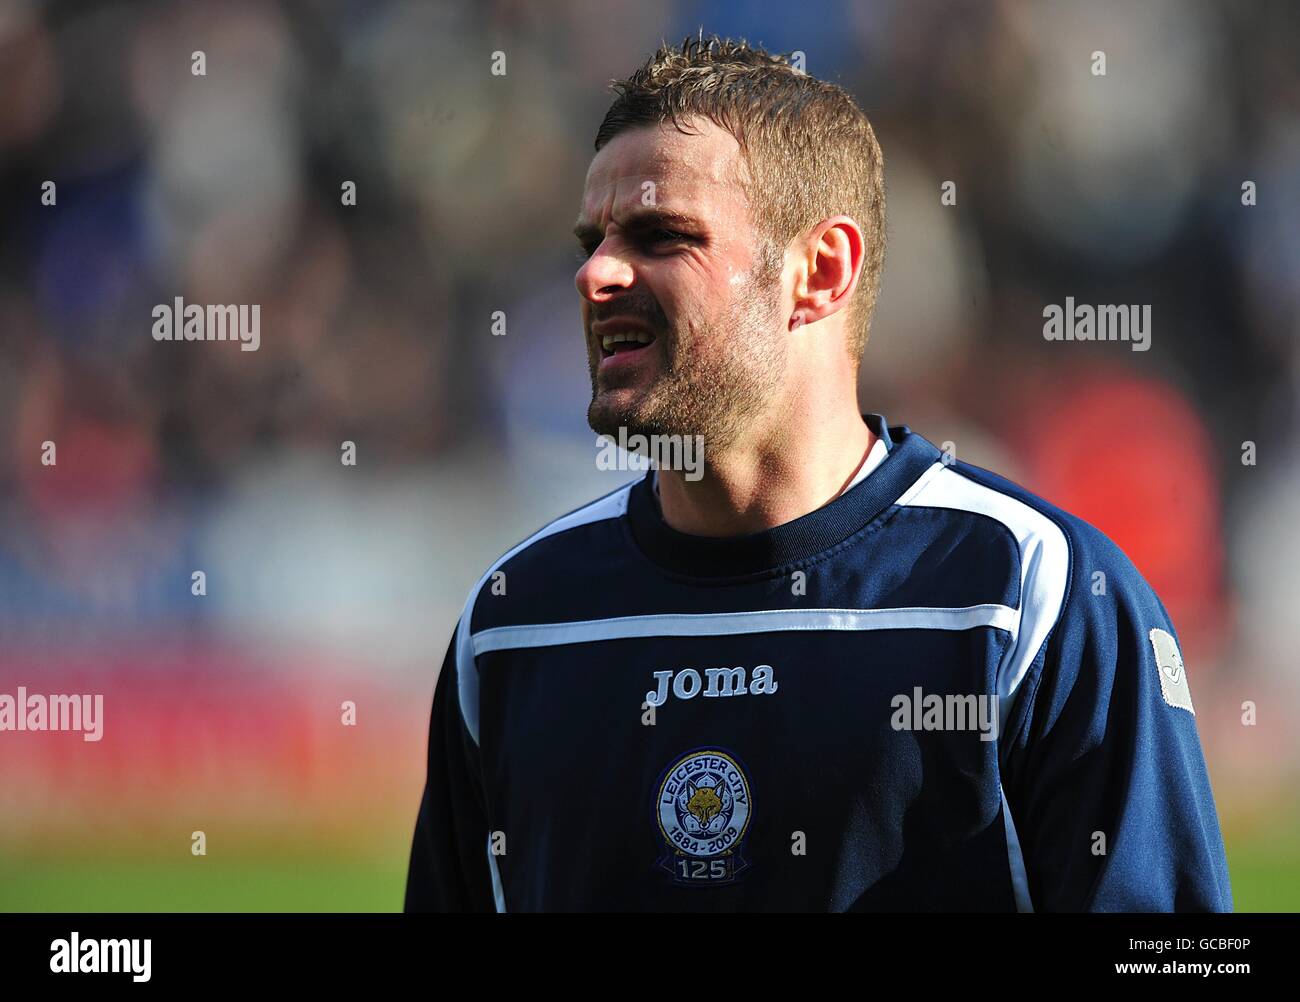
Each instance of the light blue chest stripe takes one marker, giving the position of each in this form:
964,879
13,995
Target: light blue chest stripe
504,638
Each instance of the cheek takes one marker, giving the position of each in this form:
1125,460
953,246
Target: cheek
717,286
674,290
693,292
736,274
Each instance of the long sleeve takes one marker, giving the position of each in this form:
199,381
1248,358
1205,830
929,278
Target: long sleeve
449,868
1106,777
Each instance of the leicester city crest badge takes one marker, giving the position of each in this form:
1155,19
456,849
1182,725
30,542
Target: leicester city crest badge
703,812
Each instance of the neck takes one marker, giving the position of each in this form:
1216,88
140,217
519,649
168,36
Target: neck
778,475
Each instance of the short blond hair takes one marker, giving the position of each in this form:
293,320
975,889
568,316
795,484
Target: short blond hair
810,150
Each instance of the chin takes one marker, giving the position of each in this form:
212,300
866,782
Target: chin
606,420
615,409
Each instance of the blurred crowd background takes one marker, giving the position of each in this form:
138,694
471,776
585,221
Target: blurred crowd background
328,583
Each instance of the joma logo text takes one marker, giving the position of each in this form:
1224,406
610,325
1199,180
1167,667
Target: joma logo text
687,684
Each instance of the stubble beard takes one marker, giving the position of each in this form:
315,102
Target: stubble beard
718,377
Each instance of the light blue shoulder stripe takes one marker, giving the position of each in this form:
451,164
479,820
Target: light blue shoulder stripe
1044,577
610,506
1044,565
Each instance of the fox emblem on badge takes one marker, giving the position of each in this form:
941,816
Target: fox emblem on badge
702,812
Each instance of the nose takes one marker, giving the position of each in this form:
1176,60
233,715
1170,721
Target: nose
604,275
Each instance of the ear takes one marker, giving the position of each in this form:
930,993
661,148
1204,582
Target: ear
830,263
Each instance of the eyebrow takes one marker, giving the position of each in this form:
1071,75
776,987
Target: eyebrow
649,219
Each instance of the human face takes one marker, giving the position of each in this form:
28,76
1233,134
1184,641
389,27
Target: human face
672,255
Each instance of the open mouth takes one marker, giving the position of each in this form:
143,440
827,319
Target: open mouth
624,343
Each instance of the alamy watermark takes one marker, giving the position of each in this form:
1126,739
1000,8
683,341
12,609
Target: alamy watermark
75,955
191,322
641,452
36,712
1098,323
921,711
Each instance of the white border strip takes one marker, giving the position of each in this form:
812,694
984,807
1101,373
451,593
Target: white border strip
1044,565
503,638
1015,859
498,892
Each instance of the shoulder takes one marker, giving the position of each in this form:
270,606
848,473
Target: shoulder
535,556
563,539
1058,549
1076,584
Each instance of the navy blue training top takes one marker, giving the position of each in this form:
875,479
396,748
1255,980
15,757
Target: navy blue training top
939,692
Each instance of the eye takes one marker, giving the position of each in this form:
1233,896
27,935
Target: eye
664,241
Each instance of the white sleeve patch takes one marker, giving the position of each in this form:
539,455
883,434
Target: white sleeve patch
1173,676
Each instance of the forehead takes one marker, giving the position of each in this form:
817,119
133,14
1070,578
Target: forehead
700,172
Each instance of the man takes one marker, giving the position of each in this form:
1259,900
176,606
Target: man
835,671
